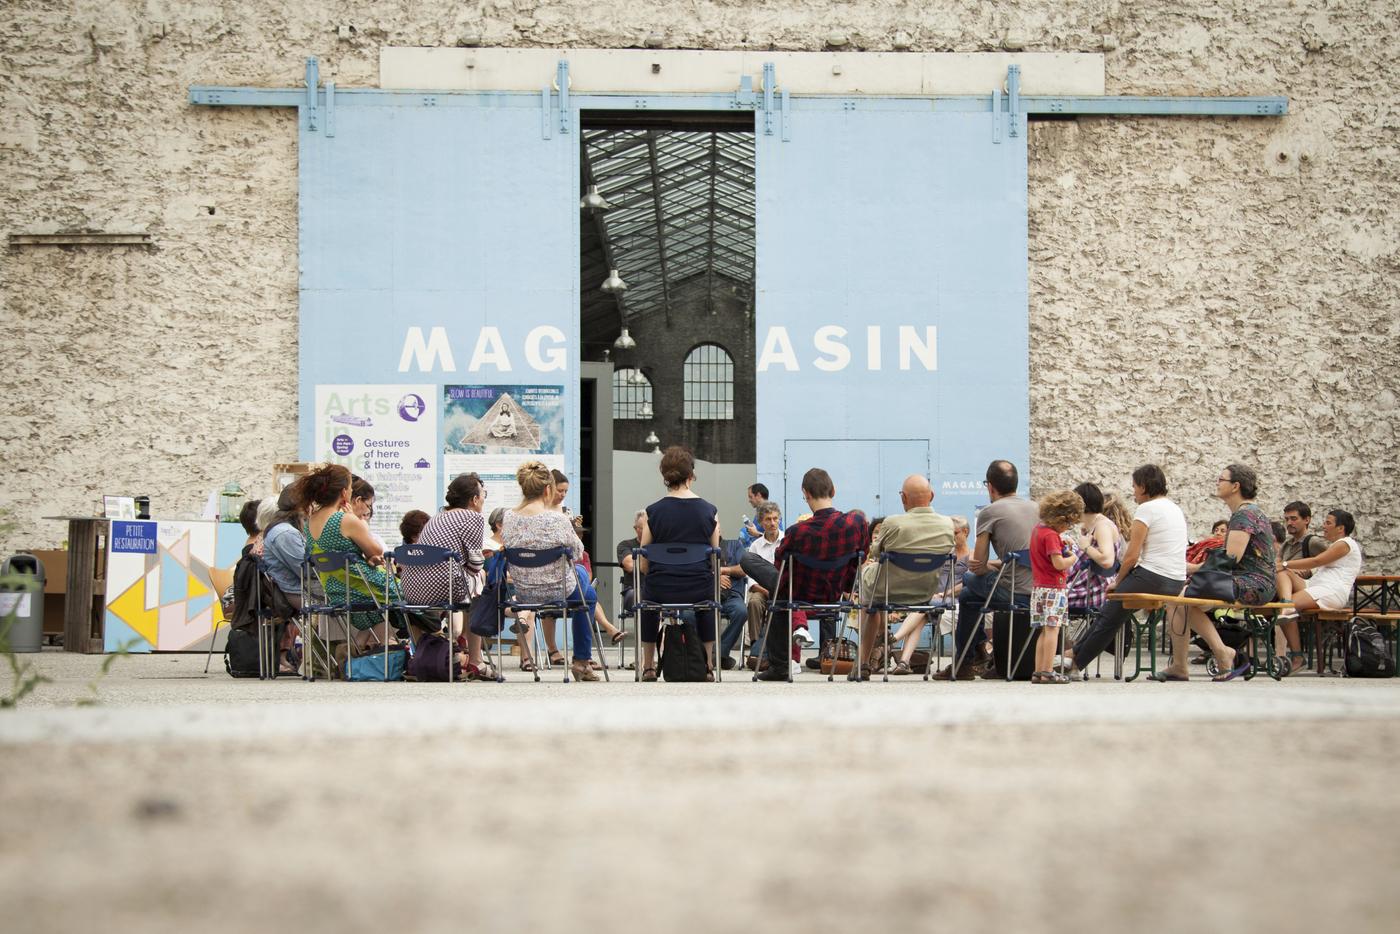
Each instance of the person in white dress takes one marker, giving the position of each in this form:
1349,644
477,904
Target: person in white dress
1334,572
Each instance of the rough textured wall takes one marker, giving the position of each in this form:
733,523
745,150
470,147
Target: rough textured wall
1202,290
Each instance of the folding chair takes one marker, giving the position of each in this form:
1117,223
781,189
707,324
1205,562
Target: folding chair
267,624
676,555
813,609
914,562
327,565
564,606
1011,560
409,556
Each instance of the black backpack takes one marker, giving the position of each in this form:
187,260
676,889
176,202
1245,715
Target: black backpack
246,584
682,652
241,653
1367,655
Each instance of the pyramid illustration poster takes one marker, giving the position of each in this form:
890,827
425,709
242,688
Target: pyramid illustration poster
492,429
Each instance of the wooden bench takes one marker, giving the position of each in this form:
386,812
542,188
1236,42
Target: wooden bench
1259,623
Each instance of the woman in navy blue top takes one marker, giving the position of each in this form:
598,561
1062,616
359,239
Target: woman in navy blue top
679,517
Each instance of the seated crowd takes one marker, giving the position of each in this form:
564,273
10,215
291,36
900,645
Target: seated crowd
1060,558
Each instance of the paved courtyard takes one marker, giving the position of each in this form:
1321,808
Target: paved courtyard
189,803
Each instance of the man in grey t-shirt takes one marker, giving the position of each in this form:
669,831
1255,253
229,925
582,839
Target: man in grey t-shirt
1003,526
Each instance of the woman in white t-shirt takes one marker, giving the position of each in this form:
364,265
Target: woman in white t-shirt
1154,562
1334,572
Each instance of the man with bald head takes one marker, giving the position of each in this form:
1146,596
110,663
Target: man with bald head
917,529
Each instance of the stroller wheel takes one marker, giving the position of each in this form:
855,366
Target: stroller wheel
1212,667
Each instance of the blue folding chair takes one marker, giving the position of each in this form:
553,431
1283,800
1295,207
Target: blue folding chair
328,564
913,562
565,606
791,604
676,555
417,556
1011,561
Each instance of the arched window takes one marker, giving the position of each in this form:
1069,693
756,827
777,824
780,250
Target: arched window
709,383
631,394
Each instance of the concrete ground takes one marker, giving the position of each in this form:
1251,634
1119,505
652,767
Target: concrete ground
189,803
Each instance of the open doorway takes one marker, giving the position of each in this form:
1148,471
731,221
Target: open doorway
674,217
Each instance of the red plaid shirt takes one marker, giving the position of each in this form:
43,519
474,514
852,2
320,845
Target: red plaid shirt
829,534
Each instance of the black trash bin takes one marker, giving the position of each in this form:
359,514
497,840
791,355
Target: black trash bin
22,594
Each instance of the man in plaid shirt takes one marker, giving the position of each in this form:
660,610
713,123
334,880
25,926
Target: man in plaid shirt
827,535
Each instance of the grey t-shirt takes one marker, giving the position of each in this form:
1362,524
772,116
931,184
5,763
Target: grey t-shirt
1008,523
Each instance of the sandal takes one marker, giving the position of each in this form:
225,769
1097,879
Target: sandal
1240,668
527,664
618,636
1297,661
483,672
648,674
582,671
557,658
901,667
1049,677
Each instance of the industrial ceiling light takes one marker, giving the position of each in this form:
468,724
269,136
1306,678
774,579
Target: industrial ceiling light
646,411
594,201
613,283
624,340
651,438
638,377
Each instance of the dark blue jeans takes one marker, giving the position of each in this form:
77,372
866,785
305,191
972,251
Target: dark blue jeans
736,613
973,595
582,620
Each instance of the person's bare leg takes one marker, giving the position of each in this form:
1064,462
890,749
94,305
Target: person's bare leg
907,635
710,655
649,656
550,642
867,637
1045,645
1179,633
1203,627
608,628
526,639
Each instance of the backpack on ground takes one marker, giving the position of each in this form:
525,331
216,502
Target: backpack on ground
1366,652
241,653
682,652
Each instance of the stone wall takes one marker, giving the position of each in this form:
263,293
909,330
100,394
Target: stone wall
1202,290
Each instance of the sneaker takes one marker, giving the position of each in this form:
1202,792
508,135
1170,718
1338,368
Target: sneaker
796,669
727,663
803,637
815,664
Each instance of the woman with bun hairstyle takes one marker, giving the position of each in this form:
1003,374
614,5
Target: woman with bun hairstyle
536,523
461,529
679,517
331,526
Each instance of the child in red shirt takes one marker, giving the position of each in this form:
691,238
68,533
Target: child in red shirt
1050,558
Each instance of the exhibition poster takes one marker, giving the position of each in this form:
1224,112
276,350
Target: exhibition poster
493,429
388,436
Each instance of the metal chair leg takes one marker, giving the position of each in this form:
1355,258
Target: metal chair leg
886,626
602,653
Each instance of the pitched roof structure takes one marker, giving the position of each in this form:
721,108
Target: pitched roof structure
682,211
